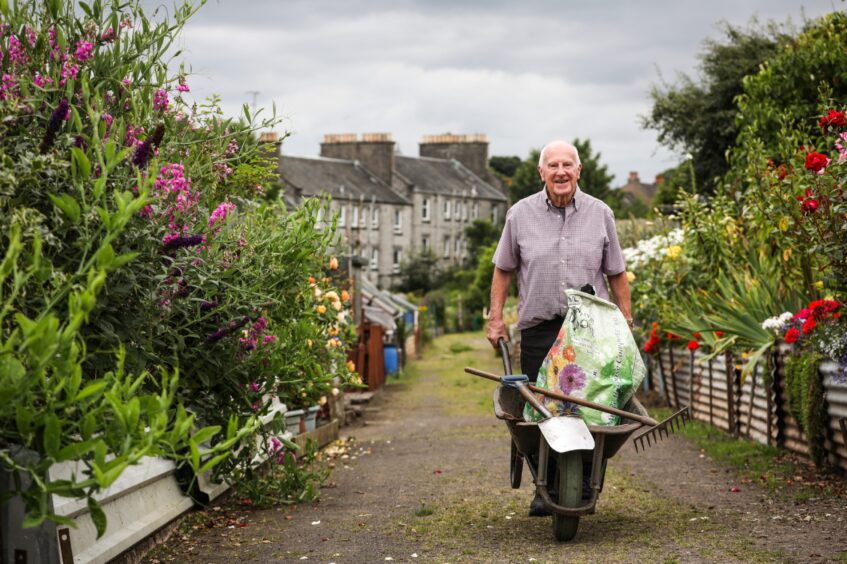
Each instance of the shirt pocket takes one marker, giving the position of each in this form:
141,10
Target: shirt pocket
588,252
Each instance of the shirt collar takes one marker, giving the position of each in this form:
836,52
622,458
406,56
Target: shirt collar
545,200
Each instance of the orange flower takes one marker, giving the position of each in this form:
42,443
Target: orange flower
345,295
321,309
351,366
333,263
311,279
569,354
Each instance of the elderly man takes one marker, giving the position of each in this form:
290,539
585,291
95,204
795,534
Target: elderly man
558,238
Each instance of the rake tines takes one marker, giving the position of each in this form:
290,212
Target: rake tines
670,425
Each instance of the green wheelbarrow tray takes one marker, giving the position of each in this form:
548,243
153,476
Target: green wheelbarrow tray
529,444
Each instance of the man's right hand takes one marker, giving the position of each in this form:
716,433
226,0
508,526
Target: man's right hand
496,331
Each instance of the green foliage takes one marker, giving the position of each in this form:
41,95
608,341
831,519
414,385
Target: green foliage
698,116
595,178
479,234
789,89
285,479
419,273
505,165
137,240
806,400
525,181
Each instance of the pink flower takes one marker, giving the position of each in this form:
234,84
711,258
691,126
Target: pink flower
30,36
17,56
108,35
69,70
84,50
183,87
842,147
254,386
269,339
220,213
160,100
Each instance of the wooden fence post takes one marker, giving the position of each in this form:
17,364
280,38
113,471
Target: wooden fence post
778,398
730,393
711,392
673,378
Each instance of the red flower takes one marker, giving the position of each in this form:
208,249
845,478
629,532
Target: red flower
781,172
809,206
816,161
671,336
804,313
832,118
792,335
651,346
809,325
718,334
697,334
693,345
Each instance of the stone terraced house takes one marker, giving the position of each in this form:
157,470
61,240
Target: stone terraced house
392,206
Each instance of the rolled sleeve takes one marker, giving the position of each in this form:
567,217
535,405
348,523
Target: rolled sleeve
507,256
613,261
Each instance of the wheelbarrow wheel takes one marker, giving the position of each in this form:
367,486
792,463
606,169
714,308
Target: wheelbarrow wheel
569,487
516,467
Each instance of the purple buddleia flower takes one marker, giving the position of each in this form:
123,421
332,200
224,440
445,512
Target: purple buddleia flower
231,327
57,118
208,306
177,242
146,148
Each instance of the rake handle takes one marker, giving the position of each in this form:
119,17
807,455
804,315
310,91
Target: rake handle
579,401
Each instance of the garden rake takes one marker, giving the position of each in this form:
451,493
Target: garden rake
652,435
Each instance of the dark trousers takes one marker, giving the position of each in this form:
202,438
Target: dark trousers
536,342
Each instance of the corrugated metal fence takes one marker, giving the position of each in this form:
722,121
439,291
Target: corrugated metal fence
755,409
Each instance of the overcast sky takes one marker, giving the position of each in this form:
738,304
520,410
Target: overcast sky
523,73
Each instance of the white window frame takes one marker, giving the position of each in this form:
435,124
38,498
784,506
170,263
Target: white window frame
425,243
398,220
464,212
425,215
374,216
375,258
495,214
458,247
446,209
342,215
363,216
354,221
446,253
397,259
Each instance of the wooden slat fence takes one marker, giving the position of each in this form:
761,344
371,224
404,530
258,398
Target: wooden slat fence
755,409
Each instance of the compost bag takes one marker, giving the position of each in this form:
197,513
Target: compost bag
594,357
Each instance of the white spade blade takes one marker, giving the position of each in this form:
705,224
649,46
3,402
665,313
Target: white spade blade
567,433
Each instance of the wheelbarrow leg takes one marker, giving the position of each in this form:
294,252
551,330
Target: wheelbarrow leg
516,467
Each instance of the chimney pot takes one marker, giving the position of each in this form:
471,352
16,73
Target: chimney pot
633,176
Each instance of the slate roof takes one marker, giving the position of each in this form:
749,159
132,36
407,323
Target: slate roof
442,176
342,179
640,190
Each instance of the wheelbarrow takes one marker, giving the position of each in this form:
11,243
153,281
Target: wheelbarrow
561,493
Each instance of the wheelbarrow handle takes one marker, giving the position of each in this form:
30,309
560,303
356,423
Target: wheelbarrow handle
579,401
504,351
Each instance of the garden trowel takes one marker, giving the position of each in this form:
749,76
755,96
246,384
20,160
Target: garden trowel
563,433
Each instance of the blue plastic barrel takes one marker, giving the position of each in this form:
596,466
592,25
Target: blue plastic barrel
390,356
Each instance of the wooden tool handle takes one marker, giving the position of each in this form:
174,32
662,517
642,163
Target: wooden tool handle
579,401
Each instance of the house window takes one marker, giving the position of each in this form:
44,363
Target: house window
446,246
425,210
396,259
374,258
355,221
398,221
342,215
476,210
374,216
464,212
425,243
458,247
363,217
495,215
446,209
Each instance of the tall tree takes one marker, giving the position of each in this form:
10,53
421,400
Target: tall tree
698,116
595,178
505,165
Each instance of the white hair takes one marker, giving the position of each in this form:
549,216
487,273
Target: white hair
551,144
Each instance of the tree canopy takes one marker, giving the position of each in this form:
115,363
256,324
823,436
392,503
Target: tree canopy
698,115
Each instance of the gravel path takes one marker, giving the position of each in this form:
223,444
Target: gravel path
425,478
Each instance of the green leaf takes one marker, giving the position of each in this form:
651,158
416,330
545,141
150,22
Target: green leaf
104,216
68,205
195,456
97,516
213,462
31,520
75,451
4,7
81,162
205,434
123,259
105,256
52,435
91,389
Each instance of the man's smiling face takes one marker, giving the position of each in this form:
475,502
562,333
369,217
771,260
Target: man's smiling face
559,171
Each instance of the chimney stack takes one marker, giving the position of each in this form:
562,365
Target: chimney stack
633,177
660,179
470,150
375,151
